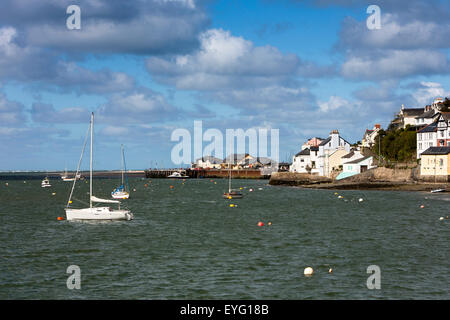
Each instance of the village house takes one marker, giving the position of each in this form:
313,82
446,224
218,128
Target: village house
406,116
321,159
328,147
305,161
426,137
430,114
207,162
355,167
443,131
435,163
369,137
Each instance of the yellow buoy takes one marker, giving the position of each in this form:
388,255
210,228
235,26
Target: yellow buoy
53,193
70,201
231,205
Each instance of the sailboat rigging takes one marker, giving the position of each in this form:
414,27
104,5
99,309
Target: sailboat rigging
94,213
121,191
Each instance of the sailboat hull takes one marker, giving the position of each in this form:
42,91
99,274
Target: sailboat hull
98,213
120,195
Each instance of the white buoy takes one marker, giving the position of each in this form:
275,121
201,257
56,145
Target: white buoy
308,271
361,200
441,218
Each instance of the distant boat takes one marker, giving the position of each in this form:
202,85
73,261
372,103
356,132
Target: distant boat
177,175
94,213
231,194
45,183
121,192
438,190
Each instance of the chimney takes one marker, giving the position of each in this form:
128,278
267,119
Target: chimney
377,126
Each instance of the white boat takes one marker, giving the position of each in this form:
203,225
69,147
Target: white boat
94,213
121,191
231,194
177,175
437,190
45,183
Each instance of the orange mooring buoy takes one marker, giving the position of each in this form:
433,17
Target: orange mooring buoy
60,218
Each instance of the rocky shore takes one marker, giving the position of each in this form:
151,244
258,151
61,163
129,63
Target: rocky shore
375,179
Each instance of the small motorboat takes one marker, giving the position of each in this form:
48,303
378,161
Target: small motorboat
177,175
437,190
45,183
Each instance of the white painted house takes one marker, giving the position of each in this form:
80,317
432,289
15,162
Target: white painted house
305,161
355,167
426,137
328,147
208,162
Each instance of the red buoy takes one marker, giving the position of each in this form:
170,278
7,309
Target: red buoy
60,218
260,224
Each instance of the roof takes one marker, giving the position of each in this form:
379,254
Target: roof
445,115
304,152
436,151
324,142
211,159
432,127
429,114
358,160
349,155
412,112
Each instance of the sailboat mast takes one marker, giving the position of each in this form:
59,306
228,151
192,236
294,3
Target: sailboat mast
90,171
121,146
229,178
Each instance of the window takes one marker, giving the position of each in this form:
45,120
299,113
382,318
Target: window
441,162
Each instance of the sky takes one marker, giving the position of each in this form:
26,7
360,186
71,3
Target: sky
147,68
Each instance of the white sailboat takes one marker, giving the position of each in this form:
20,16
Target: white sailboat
121,191
66,177
94,213
231,194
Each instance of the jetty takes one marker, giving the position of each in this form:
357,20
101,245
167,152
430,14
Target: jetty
207,173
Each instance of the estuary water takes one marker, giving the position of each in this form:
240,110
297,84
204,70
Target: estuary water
186,242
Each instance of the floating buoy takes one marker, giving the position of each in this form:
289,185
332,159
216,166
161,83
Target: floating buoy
340,197
259,188
422,206
134,190
330,270
260,224
60,218
335,193
24,182
53,193
215,182
441,218
241,188
70,201
231,205
361,200
230,197
6,183
269,223
308,271
145,185
250,190
171,187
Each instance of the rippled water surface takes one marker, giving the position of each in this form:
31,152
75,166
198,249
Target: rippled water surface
188,243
